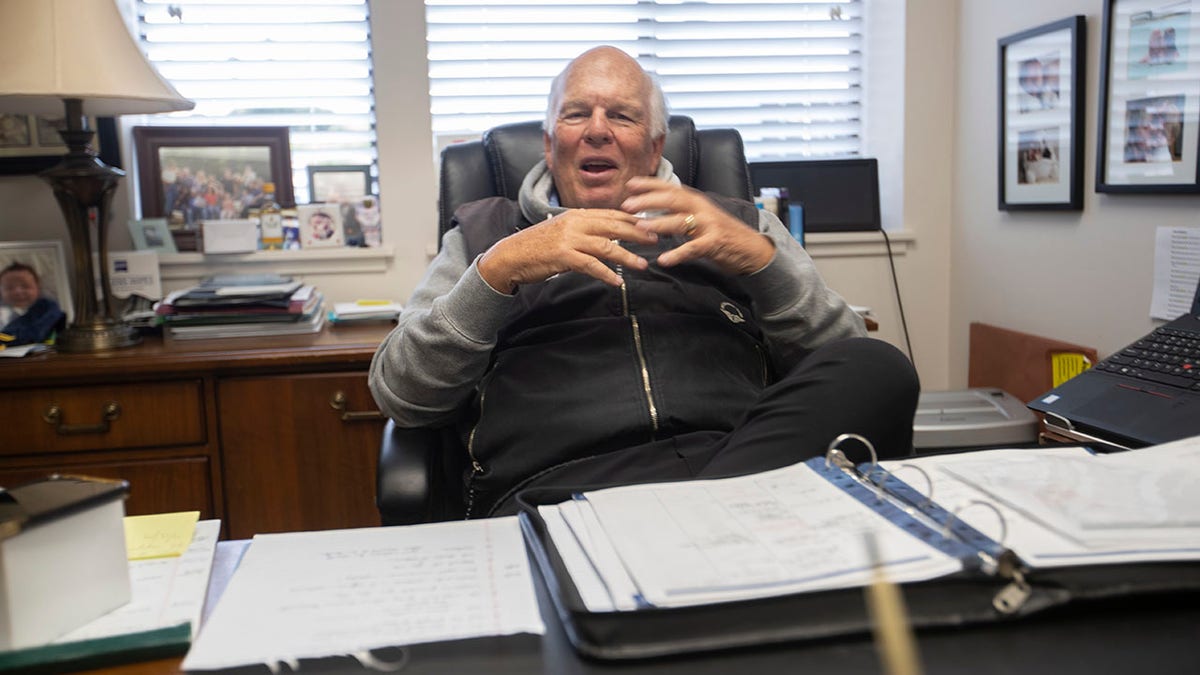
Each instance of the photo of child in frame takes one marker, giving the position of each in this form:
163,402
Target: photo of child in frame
27,315
321,225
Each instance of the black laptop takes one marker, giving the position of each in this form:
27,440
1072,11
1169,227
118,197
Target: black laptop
1145,394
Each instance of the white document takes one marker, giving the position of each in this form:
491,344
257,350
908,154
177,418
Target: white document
165,591
1064,506
784,531
338,592
1176,270
132,272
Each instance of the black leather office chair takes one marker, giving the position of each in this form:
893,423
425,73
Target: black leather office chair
420,471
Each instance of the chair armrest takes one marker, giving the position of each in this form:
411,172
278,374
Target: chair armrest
405,475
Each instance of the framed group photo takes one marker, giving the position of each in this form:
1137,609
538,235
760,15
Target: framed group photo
190,174
1149,118
1041,103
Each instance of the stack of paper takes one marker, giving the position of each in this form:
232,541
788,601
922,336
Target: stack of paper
1066,507
687,543
242,306
365,310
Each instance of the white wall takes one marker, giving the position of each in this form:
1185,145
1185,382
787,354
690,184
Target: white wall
1084,277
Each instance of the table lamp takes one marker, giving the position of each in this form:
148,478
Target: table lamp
78,57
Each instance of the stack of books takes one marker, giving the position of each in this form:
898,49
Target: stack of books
242,306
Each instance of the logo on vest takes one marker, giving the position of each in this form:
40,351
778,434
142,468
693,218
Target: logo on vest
732,312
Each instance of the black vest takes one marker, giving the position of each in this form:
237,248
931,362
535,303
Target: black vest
581,368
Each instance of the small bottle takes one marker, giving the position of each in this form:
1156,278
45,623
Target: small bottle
270,218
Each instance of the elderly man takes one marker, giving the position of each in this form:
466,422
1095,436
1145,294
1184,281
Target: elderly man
613,326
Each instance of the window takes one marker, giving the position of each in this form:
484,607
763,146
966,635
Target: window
787,75
304,64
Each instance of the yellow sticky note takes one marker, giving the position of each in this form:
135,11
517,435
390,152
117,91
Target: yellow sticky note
161,535
1065,365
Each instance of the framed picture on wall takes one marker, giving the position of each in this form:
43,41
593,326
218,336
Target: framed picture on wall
30,144
189,174
1149,118
1041,117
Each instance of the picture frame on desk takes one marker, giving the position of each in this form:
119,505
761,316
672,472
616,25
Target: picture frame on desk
235,162
49,261
1041,103
338,183
1149,117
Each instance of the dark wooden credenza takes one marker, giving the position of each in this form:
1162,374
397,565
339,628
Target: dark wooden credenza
268,434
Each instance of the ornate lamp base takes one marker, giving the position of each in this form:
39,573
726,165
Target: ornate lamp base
95,338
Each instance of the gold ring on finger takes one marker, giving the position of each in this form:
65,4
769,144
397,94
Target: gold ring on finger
689,223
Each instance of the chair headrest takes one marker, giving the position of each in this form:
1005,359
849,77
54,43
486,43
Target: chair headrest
513,149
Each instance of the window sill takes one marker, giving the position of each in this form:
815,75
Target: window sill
857,244
298,263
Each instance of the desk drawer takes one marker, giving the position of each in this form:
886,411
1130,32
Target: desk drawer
102,417
155,486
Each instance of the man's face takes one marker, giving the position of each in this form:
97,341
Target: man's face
19,289
601,135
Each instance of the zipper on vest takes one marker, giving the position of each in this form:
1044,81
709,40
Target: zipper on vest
476,467
641,354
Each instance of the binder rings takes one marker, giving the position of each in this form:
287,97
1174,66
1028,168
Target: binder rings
992,582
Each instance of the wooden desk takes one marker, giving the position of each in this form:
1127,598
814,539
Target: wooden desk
267,434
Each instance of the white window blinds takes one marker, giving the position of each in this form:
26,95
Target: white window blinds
787,75
304,64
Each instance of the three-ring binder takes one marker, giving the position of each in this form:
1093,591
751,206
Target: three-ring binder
993,584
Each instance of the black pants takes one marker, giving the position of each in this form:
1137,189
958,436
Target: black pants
861,386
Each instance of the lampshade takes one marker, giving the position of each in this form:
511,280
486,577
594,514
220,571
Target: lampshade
76,49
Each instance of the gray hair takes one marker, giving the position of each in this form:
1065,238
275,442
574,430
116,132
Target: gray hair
658,103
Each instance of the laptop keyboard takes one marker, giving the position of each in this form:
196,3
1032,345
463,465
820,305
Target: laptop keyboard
1167,356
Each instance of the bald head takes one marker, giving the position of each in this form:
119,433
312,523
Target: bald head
611,60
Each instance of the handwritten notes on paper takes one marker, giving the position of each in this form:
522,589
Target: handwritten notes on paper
160,535
782,531
316,594
1065,506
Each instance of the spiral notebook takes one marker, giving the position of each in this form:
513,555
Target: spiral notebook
649,570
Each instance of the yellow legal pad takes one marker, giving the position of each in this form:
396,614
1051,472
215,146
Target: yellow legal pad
161,535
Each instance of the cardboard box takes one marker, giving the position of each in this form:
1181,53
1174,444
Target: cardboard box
230,236
62,557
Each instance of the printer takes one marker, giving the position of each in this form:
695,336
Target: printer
969,418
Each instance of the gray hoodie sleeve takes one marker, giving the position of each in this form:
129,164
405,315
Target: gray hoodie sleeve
796,310
434,358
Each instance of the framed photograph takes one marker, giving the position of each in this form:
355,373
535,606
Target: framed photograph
49,262
321,225
1149,118
152,234
338,183
190,174
30,144
1041,117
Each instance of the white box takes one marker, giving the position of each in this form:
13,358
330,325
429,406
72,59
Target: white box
230,236
62,557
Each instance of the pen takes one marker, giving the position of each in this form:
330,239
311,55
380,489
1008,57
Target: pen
889,619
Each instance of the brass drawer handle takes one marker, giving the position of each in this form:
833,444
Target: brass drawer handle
338,402
110,412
